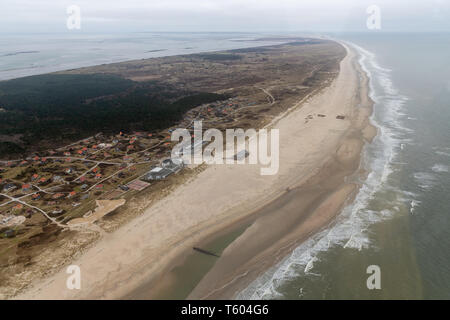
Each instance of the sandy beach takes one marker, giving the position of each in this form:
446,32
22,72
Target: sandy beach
318,160
309,206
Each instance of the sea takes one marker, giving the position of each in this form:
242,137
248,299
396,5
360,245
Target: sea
399,221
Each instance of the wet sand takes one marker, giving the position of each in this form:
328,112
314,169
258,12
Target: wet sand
306,194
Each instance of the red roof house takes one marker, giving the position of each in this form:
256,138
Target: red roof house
71,194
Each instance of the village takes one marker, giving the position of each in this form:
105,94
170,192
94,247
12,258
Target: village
65,185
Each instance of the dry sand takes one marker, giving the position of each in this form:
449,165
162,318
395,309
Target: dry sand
315,157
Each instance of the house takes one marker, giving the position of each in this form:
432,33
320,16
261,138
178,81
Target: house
42,180
57,212
57,196
34,177
98,176
9,187
29,213
105,145
57,178
71,194
69,170
26,187
83,179
84,186
158,173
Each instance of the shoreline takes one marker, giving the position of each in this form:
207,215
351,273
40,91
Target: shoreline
342,195
314,217
133,268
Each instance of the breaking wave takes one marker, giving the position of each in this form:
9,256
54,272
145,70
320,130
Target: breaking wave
438,168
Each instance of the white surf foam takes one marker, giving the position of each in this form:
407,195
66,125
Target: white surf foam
350,229
414,204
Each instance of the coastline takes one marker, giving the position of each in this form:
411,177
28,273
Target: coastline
145,50
157,236
312,204
316,210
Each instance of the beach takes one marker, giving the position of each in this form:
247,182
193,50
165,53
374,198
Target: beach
319,170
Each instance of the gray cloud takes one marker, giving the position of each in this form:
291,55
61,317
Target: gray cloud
223,15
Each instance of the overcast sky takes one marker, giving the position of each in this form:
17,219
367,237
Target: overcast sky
223,15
